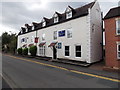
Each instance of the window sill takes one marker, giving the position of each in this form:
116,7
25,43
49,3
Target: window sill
117,35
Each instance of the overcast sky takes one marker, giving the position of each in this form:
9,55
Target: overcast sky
15,14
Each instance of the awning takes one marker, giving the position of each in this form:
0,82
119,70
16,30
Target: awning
24,45
30,45
42,43
52,44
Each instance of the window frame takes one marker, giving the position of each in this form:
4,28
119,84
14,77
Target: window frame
78,51
118,57
67,51
117,26
69,33
55,35
56,19
42,50
68,13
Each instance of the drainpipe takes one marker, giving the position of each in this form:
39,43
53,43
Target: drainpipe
36,36
102,36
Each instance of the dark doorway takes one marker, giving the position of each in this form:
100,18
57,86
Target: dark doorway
54,53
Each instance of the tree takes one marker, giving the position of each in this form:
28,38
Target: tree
9,40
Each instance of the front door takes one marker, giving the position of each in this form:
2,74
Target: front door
54,53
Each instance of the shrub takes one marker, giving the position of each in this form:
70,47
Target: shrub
19,50
33,50
25,51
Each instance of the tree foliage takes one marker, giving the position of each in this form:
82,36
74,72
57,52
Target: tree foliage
10,40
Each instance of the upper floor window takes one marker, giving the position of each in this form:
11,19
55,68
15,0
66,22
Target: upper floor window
43,37
55,18
55,35
69,33
24,40
43,23
68,13
32,39
118,26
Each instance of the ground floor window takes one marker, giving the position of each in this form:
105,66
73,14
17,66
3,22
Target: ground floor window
78,51
42,50
118,51
67,52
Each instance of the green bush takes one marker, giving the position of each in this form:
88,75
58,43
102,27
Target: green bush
25,51
19,50
33,50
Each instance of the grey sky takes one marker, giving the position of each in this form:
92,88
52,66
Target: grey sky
16,14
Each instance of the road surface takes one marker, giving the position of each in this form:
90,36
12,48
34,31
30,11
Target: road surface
23,72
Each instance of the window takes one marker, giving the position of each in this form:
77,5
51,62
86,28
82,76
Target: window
55,35
55,19
118,26
32,39
67,50
69,14
118,51
43,23
42,50
43,37
69,33
78,51
24,40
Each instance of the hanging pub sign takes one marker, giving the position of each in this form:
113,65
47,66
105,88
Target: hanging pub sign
61,33
59,46
36,39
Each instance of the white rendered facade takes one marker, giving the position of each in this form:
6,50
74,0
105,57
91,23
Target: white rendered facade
85,31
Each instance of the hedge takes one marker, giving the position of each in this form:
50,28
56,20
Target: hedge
33,50
19,50
25,51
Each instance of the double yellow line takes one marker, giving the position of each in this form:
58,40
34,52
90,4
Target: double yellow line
62,68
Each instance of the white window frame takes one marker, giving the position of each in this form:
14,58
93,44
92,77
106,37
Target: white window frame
43,37
55,19
42,50
79,51
43,23
68,13
55,35
67,51
118,56
117,26
69,33
32,39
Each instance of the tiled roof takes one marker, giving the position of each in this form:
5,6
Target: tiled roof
114,12
78,12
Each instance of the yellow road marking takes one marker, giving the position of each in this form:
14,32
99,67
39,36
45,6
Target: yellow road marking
78,72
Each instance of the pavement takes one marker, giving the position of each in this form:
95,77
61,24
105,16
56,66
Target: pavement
23,72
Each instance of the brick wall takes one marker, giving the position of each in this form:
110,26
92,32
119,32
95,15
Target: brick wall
110,43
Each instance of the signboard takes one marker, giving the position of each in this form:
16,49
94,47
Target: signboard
59,45
36,40
61,33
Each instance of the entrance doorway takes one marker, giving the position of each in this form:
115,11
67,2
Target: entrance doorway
54,53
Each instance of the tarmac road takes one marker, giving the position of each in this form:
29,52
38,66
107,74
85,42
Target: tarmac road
23,72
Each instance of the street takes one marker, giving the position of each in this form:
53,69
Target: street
20,72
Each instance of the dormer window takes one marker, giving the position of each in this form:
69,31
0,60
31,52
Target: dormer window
32,27
43,23
55,18
68,13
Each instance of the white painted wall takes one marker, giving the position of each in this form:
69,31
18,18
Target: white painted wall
82,34
96,35
29,40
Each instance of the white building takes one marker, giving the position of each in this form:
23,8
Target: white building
74,35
